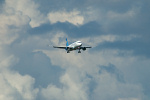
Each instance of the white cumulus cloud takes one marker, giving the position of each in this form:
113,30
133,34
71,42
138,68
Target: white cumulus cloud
73,17
29,8
14,86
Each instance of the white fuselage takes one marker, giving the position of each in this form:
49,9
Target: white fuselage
75,45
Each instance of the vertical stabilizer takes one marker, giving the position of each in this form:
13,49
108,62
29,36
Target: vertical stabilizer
67,42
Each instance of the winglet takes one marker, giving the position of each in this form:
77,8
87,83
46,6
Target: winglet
67,42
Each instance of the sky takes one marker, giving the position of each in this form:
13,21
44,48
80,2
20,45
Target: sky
117,67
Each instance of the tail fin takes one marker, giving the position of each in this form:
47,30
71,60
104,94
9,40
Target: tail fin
67,42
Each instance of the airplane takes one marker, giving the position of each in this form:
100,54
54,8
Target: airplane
74,46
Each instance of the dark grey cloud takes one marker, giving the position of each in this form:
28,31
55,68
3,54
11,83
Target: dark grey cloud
1,2
89,29
55,5
136,25
120,6
43,29
1,5
35,64
39,67
110,70
138,46
113,70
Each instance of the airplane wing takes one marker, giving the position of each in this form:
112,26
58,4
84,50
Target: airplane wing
88,47
84,48
59,47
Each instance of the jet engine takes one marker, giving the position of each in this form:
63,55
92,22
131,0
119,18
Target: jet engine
84,49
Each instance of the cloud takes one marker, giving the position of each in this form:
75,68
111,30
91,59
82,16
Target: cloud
30,70
13,19
73,17
109,85
85,73
128,99
97,40
22,86
11,23
13,85
70,90
91,68
117,16
28,8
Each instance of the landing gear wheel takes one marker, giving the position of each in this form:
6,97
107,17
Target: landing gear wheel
79,51
68,52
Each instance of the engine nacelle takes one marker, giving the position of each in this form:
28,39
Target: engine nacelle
84,49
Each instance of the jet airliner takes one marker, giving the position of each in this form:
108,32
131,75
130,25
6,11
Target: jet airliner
74,46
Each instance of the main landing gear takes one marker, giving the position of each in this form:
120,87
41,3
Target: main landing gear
79,51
